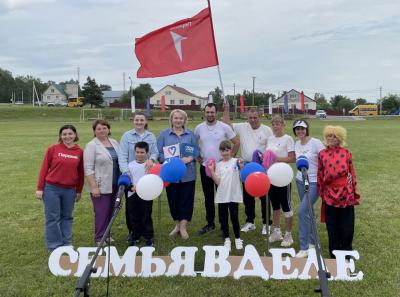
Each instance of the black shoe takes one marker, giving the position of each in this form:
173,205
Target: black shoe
149,242
207,228
133,242
129,237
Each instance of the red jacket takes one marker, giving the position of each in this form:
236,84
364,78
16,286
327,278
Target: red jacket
336,177
63,167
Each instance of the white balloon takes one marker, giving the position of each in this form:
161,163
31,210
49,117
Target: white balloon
149,187
280,174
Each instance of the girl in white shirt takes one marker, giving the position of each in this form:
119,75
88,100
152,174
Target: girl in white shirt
283,146
229,194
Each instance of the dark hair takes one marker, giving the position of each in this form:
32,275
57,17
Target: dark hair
298,121
139,113
210,105
225,144
142,145
65,127
101,122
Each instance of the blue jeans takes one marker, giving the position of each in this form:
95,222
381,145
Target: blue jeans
305,233
58,207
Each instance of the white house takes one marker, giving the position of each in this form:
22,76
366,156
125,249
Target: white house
294,102
59,94
177,96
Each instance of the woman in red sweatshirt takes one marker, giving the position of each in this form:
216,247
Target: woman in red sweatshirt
60,184
337,188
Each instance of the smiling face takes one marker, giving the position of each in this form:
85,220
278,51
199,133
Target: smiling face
68,137
301,132
226,154
210,114
101,131
139,121
140,154
254,119
178,120
332,140
277,128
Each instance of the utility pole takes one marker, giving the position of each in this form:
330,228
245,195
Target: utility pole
234,98
254,79
380,100
131,85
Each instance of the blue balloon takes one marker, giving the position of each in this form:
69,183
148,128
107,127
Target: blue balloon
173,170
250,168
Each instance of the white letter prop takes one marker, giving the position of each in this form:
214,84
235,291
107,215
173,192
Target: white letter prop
342,266
128,260
178,260
84,260
311,260
278,263
211,260
148,261
251,255
54,260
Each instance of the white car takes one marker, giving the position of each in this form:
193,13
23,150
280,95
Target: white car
320,114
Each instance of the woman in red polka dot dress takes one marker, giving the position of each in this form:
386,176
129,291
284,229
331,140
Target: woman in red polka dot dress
337,188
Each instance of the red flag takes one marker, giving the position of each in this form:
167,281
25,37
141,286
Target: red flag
302,101
182,46
242,104
163,103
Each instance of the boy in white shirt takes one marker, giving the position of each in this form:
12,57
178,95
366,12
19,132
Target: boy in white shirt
229,194
139,210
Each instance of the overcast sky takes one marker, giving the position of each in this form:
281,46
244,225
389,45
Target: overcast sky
348,47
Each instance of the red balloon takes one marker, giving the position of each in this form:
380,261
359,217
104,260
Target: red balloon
156,169
257,184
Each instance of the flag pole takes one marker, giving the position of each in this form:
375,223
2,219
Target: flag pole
216,54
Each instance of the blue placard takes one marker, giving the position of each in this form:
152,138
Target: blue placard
188,150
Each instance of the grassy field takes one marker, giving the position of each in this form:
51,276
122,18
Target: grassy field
24,136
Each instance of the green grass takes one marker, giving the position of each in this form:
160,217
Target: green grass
24,137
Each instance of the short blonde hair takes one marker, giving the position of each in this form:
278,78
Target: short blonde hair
182,112
339,132
277,118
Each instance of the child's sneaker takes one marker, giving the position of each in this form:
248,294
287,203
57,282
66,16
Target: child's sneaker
264,229
227,244
275,236
287,240
302,254
248,227
238,244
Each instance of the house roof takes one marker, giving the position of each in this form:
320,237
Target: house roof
113,94
58,87
283,95
181,91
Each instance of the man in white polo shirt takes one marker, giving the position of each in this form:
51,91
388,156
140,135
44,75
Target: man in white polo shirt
253,136
210,133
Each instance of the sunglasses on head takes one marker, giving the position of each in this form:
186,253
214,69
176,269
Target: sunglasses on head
225,149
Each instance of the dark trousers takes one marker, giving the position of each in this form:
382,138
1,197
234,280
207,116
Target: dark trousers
140,220
250,205
340,227
224,209
209,187
181,200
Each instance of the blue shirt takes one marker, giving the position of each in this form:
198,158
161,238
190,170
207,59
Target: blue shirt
127,147
168,137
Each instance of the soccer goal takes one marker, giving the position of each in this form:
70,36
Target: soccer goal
90,114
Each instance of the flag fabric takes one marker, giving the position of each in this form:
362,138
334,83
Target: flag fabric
242,104
182,46
286,103
133,105
148,112
270,105
163,103
302,101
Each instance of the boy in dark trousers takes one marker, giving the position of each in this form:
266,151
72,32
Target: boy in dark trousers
139,210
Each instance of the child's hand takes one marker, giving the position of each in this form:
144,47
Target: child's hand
241,163
211,166
132,188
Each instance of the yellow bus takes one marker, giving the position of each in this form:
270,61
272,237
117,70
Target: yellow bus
75,102
365,110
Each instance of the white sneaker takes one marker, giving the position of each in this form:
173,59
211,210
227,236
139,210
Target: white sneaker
248,227
227,244
264,230
302,254
275,236
287,240
311,246
238,244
